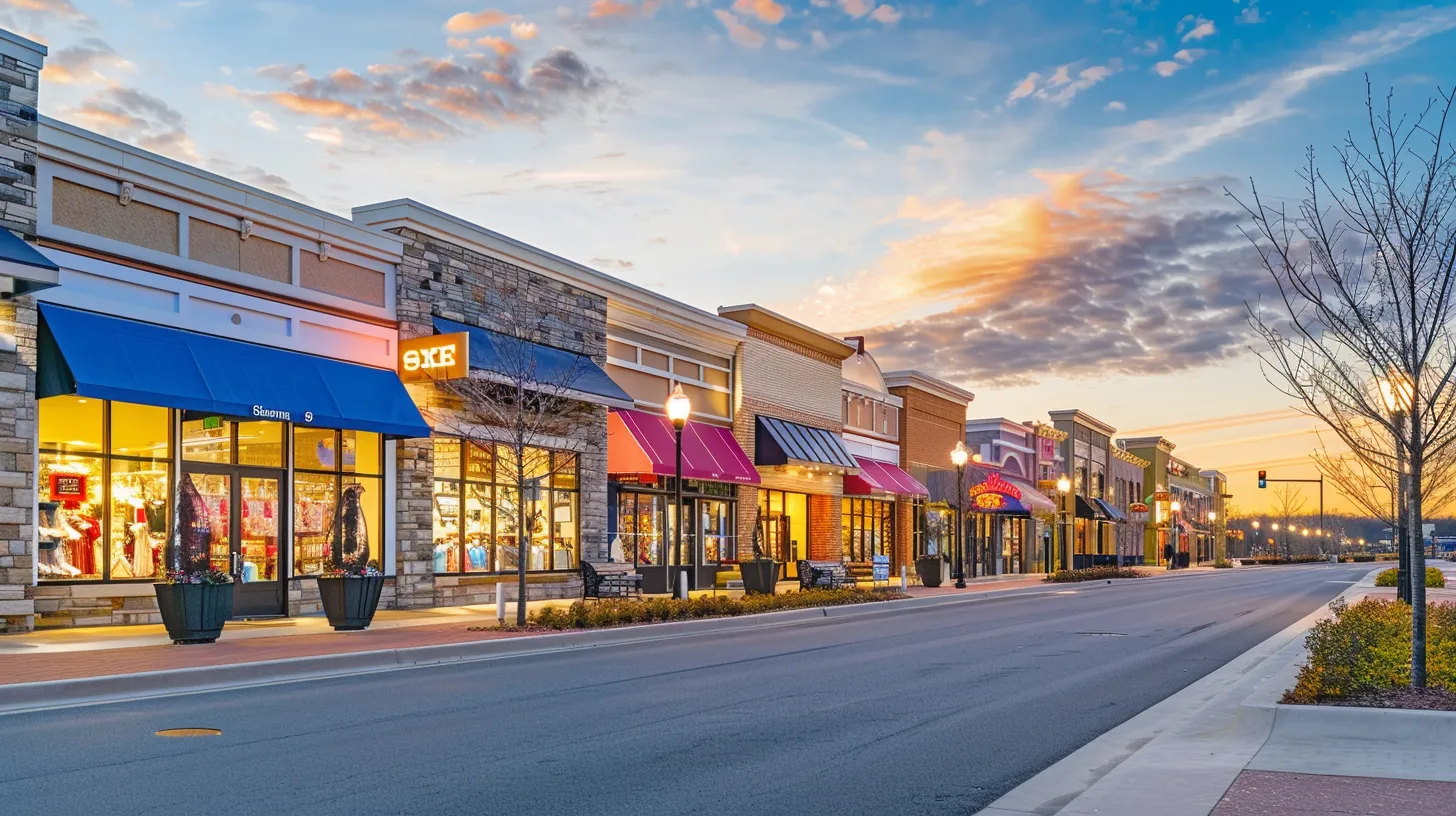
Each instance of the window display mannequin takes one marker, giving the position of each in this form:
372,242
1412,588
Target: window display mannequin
53,542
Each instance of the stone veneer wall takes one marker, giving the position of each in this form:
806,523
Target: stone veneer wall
19,90
439,278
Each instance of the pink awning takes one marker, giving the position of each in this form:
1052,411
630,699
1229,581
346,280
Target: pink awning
639,442
882,477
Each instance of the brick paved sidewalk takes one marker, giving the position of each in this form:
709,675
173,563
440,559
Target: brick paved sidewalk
116,650
1268,793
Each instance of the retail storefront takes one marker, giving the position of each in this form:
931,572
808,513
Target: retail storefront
797,524
275,456
867,517
641,465
1001,530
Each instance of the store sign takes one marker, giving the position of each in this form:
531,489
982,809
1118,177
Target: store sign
436,357
995,484
1137,513
68,487
988,502
1046,448
1161,497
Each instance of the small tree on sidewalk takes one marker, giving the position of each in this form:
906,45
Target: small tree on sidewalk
1289,503
524,404
1365,268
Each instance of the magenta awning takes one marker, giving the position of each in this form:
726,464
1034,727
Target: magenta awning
882,477
639,442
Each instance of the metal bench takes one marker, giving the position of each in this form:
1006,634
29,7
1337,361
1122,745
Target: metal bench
824,575
609,580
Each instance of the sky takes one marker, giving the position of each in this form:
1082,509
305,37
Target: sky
1028,199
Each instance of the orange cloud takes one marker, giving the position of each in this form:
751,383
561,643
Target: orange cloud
501,46
611,8
466,21
765,10
738,32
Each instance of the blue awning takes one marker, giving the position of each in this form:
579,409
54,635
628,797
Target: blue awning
779,442
1112,512
92,355
577,375
23,267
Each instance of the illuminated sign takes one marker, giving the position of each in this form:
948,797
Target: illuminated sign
436,357
1137,513
995,484
68,487
988,501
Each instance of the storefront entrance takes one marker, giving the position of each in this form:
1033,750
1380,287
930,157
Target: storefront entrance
785,528
245,515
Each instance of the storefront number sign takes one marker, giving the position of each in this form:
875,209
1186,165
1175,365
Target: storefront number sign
68,487
436,357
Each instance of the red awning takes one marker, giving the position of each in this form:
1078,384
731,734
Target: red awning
882,477
639,442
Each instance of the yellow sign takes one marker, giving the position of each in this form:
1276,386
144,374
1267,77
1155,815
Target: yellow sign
436,357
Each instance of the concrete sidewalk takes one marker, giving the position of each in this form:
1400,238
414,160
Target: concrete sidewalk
1225,746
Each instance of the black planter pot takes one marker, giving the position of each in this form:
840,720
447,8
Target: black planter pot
760,577
194,613
350,602
928,567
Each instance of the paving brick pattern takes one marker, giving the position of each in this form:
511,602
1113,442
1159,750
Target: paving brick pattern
1267,793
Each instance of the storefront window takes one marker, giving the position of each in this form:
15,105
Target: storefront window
260,444
70,424
866,528
477,512
716,527
138,516
933,520
642,527
338,492
207,438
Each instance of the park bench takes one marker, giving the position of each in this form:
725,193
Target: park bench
824,575
609,580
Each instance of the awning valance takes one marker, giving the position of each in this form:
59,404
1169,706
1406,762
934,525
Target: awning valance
572,374
780,442
94,355
881,477
23,268
639,442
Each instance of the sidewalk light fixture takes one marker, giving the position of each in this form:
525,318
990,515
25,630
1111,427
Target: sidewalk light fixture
1064,487
679,407
1173,507
959,455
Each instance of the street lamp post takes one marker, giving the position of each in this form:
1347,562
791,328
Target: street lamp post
1064,551
1212,532
1396,399
958,457
678,409
1255,524
1173,507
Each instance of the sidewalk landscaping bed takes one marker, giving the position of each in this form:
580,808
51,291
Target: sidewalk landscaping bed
1361,656
1435,579
621,612
1091,574
1269,560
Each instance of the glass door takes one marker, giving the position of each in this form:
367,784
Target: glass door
243,513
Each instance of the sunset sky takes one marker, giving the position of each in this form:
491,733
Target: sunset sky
1025,198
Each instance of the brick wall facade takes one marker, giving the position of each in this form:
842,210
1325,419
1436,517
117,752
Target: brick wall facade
778,378
930,426
439,278
19,91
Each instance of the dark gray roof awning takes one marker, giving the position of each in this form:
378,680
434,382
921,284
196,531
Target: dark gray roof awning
780,442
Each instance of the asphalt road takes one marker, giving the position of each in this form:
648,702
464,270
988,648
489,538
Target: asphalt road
935,711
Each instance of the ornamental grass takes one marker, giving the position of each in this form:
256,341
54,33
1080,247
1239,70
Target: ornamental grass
622,611
1091,574
1435,579
1364,649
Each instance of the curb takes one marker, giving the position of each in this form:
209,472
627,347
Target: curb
1173,737
20,698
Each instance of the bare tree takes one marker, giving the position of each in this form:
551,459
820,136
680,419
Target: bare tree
1372,489
1289,503
524,404
1365,268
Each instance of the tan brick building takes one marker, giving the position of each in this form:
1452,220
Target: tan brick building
932,421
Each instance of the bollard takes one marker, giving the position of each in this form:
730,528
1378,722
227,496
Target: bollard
904,581
682,585
500,602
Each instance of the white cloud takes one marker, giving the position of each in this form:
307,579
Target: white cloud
260,119
1024,88
786,44
873,75
819,41
856,8
1198,28
1115,105
738,32
886,15
524,31
327,136
1167,68
1251,15
1184,58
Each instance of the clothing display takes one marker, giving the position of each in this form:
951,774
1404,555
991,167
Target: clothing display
193,527
349,529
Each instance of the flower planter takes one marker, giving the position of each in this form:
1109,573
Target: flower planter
350,602
194,613
760,577
930,569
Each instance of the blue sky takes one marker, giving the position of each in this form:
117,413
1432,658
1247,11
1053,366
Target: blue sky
1024,197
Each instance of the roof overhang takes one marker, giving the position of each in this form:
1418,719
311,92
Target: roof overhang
757,317
920,381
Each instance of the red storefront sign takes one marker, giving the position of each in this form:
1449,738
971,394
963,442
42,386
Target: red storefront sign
66,487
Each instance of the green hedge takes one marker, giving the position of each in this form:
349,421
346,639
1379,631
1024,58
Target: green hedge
622,611
1435,579
1091,574
1269,560
1365,648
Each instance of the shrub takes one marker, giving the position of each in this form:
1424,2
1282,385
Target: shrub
621,611
1091,574
1270,560
1365,647
1223,565
1435,579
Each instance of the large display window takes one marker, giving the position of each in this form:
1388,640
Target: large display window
478,516
645,519
338,494
867,528
102,491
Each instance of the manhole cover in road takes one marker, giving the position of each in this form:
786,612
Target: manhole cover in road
190,732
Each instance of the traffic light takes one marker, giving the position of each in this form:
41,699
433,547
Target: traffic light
1263,482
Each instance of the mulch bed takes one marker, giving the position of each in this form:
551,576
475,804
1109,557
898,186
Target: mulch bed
1426,699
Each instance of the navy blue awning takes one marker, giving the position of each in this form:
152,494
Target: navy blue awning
779,442
1088,510
26,269
1112,512
557,369
92,355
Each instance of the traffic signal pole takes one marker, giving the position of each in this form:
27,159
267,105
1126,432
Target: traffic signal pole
1264,481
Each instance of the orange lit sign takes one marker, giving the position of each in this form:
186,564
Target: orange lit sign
988,501
436,357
